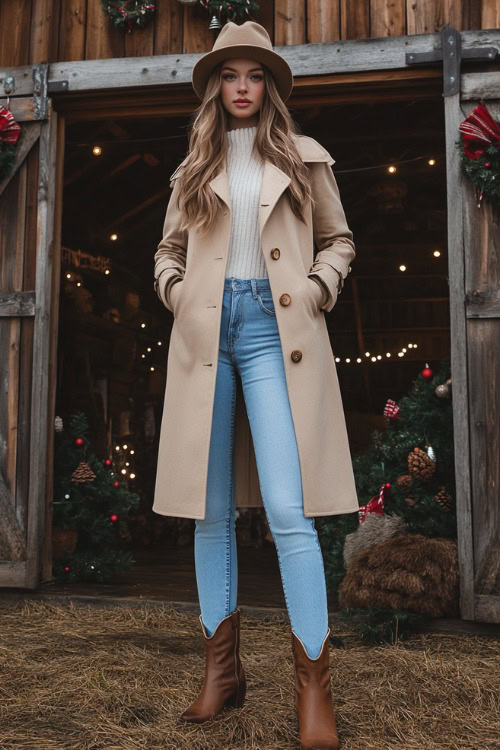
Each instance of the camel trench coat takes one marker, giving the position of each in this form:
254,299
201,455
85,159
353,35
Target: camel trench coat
189,271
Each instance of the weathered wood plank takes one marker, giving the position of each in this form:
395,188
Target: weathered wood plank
17,304
387,19
487,608
40,429
483,85
305,60
289,22
458,343
72,30
27,139
12,574
12,541
323,17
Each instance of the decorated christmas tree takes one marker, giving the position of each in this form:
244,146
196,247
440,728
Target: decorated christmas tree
91,505
406,487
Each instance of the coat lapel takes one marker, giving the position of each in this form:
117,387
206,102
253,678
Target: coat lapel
274,182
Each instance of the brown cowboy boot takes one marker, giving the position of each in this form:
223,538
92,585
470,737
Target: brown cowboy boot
313,698
225,683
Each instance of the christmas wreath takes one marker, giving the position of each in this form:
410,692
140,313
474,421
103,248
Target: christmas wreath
233,10
9,133
479,148
129,13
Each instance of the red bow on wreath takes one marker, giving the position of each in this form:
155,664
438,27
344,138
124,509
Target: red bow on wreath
479,131
9,129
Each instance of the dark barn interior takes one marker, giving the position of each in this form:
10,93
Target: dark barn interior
114,331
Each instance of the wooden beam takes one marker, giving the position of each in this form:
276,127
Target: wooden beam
12,542
17,304
327,58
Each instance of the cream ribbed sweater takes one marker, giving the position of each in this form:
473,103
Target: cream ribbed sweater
245,172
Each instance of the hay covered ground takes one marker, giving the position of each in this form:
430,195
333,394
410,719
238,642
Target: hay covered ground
85,677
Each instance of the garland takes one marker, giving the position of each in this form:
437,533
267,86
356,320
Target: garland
479,148
9,133
233,10
129,13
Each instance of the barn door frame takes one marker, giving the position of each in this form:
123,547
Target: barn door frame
23,535
75,84
478,512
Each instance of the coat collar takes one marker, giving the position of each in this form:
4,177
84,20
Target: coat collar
274,180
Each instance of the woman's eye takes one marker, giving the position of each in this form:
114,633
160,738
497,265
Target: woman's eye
231,75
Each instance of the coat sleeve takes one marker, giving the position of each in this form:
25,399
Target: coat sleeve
331,234
170,256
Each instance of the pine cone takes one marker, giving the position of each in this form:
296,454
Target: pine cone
83,473
420,465
404,482
444,499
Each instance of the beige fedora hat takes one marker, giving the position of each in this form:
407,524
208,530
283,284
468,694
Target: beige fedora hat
251,40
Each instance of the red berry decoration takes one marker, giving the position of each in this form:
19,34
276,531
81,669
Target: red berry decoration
66,568
108,462
116,483
113,517
79,441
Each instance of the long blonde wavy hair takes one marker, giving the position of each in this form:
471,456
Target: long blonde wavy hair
208,147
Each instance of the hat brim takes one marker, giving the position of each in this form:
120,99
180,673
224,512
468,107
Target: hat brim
278,66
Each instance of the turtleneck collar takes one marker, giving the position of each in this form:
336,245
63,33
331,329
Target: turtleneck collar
241,137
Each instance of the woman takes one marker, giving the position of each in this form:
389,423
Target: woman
235,266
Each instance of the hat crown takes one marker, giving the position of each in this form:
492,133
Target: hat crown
249,32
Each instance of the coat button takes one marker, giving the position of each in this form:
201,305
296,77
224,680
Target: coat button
275,253
285,299
296,355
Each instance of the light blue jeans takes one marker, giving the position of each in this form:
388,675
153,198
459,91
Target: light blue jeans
250,345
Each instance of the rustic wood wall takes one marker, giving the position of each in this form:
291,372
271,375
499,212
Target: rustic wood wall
45,31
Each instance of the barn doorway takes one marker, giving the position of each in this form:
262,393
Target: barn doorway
389,148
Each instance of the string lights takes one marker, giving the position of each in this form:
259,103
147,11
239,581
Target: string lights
369,357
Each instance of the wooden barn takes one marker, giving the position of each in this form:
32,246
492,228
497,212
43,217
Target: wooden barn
103,110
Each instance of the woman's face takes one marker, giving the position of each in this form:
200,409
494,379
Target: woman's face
242,79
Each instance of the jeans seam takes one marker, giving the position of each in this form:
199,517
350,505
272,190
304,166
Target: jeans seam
229,562
272,313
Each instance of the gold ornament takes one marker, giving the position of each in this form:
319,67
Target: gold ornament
420,464
82,474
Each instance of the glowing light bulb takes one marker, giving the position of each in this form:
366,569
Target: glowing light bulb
402,268
97,150
392,169
113,237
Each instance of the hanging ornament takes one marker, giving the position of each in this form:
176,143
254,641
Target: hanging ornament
9,134
375,504
391,410
442,391
79,441
215,24
58,424
129,14
426,372
444,499
421,465
108,463
479,148
82,474
116,483
113,518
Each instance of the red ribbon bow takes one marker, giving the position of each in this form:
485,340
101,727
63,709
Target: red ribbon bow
9,129
479,130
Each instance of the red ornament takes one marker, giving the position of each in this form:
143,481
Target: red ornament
108,462
113,517
376,504
391,410
79,441
116,483
426,373
66,568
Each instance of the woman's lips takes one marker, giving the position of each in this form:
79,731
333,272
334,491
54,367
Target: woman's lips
242,104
